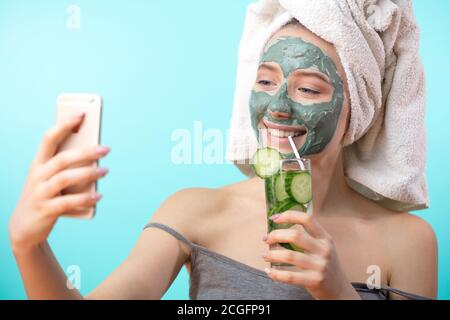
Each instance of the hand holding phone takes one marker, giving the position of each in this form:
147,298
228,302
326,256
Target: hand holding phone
42,202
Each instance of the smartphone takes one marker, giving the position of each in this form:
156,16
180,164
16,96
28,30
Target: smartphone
68,104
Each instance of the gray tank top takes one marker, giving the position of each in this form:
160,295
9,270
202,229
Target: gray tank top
217,277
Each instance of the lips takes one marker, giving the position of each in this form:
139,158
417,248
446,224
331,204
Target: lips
277,136
281,131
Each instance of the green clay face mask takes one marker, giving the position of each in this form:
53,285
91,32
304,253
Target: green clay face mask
321,118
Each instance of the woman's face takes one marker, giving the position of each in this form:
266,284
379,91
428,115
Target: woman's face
298,92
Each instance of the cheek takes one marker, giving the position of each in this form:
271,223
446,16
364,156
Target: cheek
258,104
344,120
259,101
322,121
313,116
336,126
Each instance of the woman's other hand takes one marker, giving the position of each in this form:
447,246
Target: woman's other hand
321,272
41,202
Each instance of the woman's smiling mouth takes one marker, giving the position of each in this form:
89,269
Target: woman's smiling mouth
282,131
277,135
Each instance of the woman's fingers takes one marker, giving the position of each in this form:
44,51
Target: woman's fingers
72,158
58,206
300,238
306,220
71,177
305,279
53,138
299,259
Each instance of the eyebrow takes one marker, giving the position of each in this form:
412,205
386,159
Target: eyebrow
268,67
306,72
314,74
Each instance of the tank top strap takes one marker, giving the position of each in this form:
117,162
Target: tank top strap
405,294
171,231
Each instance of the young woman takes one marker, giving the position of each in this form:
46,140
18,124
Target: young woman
221,235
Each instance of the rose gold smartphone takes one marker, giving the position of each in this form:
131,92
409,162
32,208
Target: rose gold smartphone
87,136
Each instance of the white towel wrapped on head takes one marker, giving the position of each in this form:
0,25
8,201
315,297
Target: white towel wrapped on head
378,45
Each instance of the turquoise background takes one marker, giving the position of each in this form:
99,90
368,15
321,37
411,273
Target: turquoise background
159,68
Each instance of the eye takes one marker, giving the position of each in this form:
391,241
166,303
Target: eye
265,83
308,91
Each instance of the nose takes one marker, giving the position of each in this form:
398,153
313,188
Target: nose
280,106
279,115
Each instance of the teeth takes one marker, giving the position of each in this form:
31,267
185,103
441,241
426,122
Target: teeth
284,134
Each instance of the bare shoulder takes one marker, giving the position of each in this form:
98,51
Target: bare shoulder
411,231
196,212
245,188
413,254
403,229
184,210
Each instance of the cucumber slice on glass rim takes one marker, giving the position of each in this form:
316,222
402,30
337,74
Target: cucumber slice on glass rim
267,162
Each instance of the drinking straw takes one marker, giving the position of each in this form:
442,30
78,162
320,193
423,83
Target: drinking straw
263,143
297,155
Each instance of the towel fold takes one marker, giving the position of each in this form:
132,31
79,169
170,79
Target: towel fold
378,45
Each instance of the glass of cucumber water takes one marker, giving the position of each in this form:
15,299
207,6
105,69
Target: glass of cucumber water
288,187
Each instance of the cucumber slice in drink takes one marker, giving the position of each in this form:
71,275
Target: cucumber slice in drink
299,187
280,189
282,207
267,162
270,195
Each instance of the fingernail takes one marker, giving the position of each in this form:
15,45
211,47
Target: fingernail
102,171
267,270
275,217
103,150
96,196
265,238
264,255
76,129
